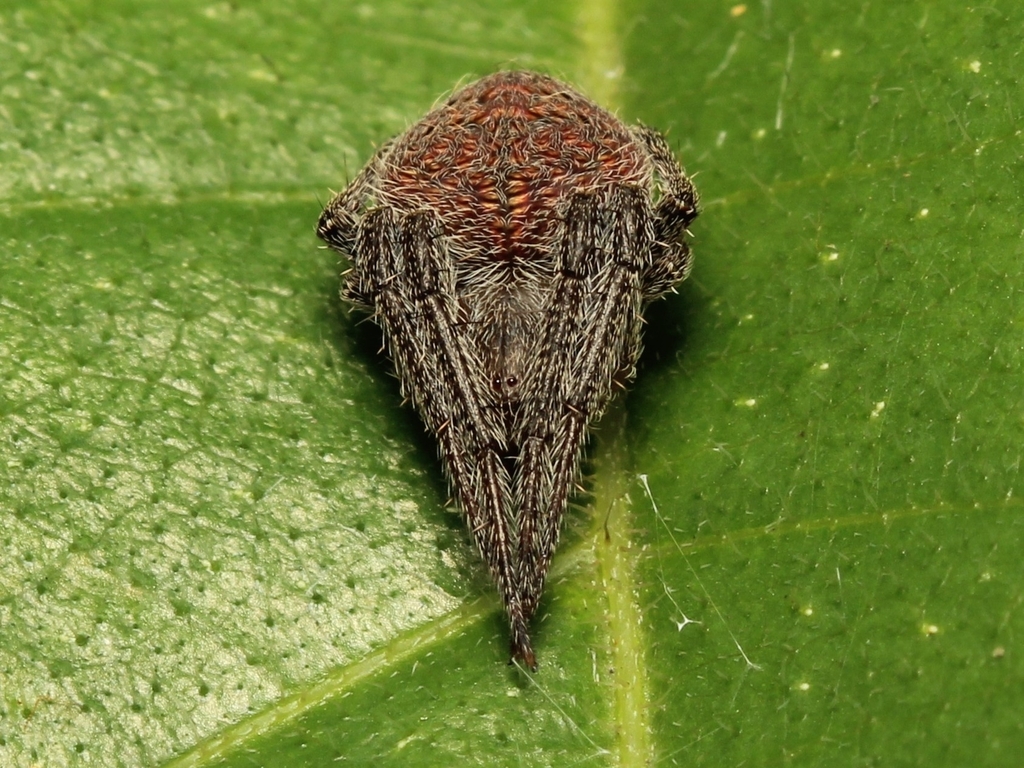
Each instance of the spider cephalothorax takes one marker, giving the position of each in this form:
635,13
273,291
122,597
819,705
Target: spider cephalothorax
507,244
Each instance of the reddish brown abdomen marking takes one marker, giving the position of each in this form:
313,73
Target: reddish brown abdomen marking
497,158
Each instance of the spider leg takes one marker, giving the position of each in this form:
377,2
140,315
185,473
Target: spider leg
409,276
673,213
338,226
590,337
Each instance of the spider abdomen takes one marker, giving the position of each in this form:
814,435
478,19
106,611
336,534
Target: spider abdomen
497,160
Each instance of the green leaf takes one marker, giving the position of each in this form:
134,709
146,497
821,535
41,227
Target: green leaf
225,543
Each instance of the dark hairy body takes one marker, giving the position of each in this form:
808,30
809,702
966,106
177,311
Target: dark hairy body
507,244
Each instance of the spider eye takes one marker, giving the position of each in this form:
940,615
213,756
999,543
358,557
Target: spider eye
499,384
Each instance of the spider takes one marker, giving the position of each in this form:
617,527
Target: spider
507,244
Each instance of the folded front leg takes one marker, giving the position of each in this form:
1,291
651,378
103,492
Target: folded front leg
590,338
410,277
